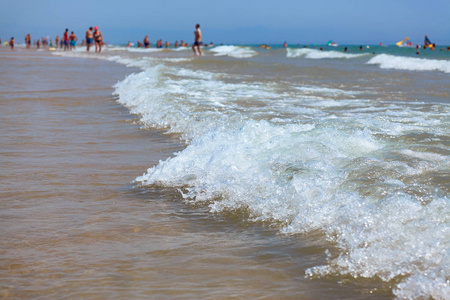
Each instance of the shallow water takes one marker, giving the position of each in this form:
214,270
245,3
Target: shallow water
73,225
353,145
263,194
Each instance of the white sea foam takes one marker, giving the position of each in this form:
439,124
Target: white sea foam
387,61
309,163
326,91
424,155
130,62
142,62
234,51
182,49
144,50
296,178
318,54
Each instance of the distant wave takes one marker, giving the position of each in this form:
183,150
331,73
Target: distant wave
318,54
143,49
181,49
234,51
387,61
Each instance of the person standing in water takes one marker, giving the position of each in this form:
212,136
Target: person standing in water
146,42
89,38
198,40
66,40
28,41
426,42
73,40
98,38
11,43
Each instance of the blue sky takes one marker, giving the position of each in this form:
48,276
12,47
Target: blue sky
232,21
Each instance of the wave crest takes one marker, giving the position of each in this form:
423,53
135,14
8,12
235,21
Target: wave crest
234,51
318,54
387,61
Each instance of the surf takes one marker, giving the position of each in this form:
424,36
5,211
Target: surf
386,61
234,51
318,54
337,156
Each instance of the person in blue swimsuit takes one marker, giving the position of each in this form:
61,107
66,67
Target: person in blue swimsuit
89,38
11,43
426,42
73,40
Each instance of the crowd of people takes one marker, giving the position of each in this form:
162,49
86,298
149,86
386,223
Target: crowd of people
67,42
95,37
196,47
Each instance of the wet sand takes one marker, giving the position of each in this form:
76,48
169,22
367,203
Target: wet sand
73,225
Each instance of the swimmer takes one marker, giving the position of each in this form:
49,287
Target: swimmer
11,43
146,42
426,41
28,40
198,40
89,38
73,40
66,39
98,38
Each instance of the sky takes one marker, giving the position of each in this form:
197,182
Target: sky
232,21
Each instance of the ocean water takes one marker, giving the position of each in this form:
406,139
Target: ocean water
349,149
352,145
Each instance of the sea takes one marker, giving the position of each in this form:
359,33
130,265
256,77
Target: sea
305,172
